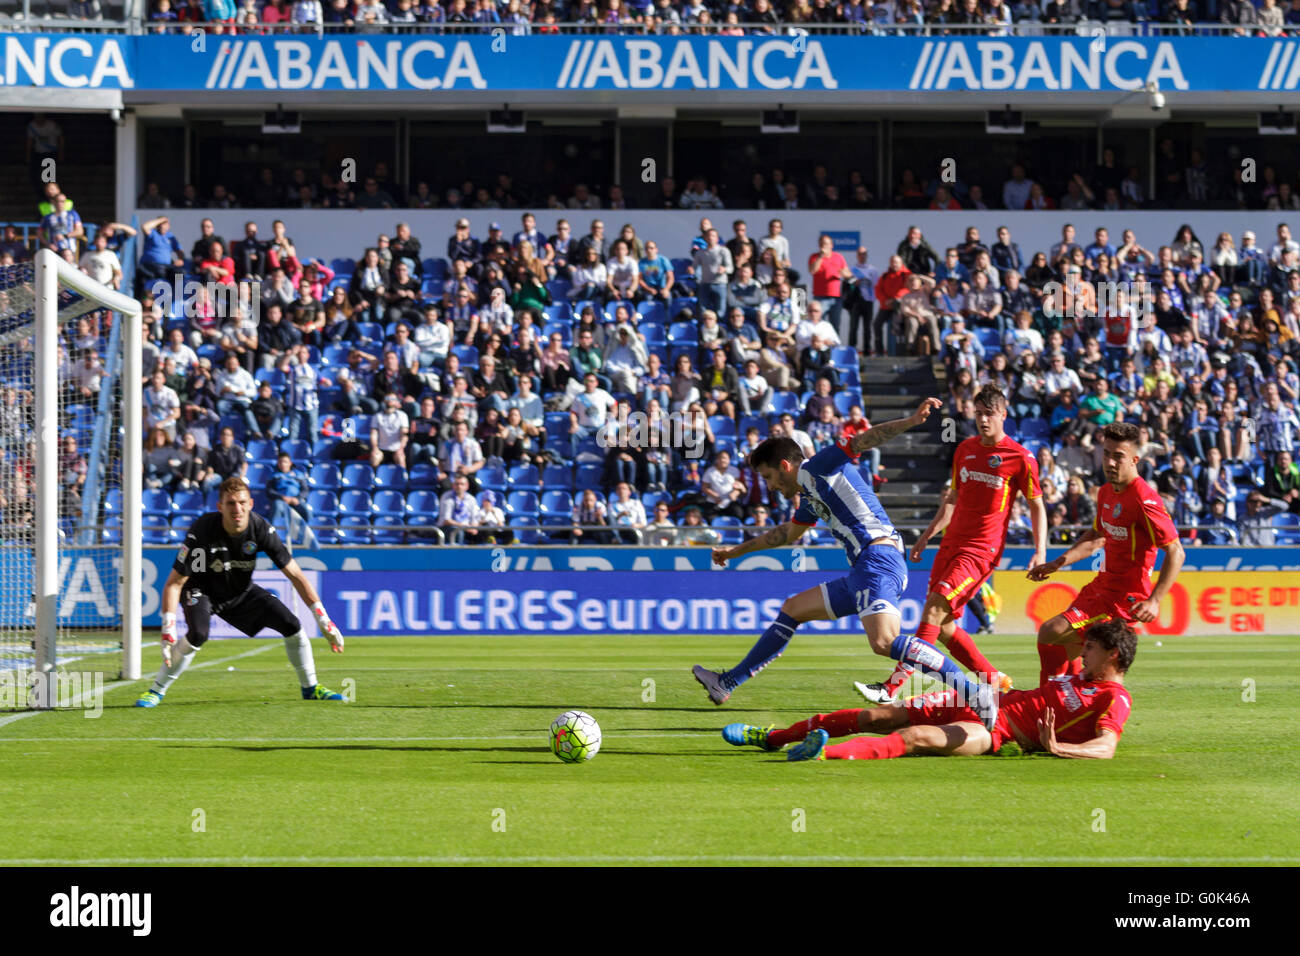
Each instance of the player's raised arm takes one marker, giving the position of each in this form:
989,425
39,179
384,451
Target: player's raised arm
947,505
879,434
1147,611
782,536
1101,747
309,596
1088,542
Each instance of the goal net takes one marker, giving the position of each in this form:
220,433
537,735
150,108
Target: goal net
70,476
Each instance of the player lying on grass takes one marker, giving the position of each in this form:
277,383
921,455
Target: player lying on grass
831,487
214,571
988,471
1073,715
1132,524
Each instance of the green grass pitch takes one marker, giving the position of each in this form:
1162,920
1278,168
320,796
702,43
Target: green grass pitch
442,759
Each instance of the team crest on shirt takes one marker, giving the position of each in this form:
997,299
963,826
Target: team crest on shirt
1087,691
1114,512
249,547
216,567
995,461
819,508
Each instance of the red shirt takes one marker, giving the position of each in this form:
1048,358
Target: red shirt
986,479
225,262
1082,708
1135,524
1117,330
891,285
850,430
826,278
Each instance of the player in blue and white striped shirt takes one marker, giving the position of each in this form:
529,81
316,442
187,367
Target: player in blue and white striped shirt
832,488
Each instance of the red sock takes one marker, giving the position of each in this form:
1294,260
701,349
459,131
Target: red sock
842,723
963,650
1052,660
868,748
897,679
928,633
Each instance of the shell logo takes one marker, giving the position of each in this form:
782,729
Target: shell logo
1048,601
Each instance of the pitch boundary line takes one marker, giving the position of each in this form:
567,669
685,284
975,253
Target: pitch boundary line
678,858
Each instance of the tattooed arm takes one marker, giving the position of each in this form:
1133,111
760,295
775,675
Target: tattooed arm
782,536
879,434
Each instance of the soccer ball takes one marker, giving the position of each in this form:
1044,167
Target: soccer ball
575,736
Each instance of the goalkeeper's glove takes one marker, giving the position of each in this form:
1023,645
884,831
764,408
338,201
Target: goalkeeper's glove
168,637
327,627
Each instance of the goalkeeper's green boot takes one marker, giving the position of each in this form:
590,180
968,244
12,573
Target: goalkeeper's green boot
150,698
317,692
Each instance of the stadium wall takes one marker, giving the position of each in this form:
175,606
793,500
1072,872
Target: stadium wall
329,234
484,591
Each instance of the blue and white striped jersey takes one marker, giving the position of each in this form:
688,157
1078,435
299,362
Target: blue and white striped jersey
833,489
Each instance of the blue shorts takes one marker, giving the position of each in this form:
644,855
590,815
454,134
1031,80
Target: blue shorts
874,585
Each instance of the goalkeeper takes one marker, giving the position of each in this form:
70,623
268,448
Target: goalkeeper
214,574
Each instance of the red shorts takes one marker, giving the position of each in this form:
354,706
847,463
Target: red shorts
1097,603
942,707
958,573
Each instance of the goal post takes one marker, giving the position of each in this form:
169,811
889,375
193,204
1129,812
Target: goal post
40,300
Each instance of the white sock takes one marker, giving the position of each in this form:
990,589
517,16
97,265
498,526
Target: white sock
182,654
299,650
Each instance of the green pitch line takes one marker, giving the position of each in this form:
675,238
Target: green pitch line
447,737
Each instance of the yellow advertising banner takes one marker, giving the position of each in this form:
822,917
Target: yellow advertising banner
1200,602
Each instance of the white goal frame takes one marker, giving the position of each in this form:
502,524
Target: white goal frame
51,272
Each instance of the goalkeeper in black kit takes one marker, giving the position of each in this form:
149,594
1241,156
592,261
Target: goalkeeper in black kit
213,574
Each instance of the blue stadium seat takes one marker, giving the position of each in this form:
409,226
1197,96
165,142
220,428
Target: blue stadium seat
524,536
783,402
653,312
235,423
1012,429
728,529
371,330
324,504
272,375
258,474
112,531
344,282
388,502
343,267
359,428
467,354
844,357
556,502
113,501
188,502
423,476
680,266
298,449
559,289
651,498
752,421
438,267
353,501
1034,428
391,476
492,477
560,524
157,501
432,287
654,332
849,378
990,339
588,476
523,478
558,314
558,477
354,529
556,423
213,500
213,353
261,449
358,475
336,354
722,426
685,302
389,529
726,443
846,399
683,334
321,448
522,503
423,502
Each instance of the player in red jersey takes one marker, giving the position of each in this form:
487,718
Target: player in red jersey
988,471
1132,524
1073,715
